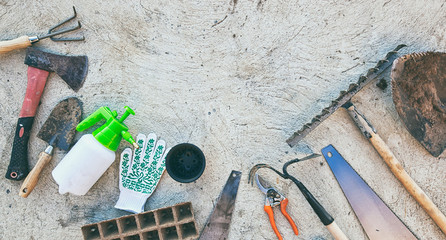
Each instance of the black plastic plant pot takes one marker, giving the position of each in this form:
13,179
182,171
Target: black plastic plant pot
185,162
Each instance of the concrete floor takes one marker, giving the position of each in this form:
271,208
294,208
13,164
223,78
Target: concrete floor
236,78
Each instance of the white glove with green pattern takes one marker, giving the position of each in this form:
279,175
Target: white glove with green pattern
139,176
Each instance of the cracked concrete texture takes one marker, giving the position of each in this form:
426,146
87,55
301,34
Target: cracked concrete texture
237,79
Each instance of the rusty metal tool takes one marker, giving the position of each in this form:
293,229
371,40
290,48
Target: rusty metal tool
419,94
378,221
345,96
371,134
217,226
274,198
27,41
320,211
58,130
72,69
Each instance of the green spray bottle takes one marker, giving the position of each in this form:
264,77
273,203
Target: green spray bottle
93,154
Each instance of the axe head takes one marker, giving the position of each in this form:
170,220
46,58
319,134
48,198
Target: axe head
72,69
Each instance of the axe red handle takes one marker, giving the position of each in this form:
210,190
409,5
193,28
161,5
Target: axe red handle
18,165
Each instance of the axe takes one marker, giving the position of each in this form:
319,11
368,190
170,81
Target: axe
72,69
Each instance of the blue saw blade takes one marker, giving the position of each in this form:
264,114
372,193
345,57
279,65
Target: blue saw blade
378,221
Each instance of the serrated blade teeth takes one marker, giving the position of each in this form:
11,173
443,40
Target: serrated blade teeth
315,119
371,71
352,86
362,79
345,96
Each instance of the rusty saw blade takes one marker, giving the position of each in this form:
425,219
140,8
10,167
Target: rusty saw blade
345,96
217,226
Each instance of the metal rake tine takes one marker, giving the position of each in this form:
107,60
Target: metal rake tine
51,34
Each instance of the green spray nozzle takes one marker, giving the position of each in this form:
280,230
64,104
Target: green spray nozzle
111,133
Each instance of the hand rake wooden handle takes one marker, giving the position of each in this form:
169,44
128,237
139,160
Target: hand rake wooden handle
20,42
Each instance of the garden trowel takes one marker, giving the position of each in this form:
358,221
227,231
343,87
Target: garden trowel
58,131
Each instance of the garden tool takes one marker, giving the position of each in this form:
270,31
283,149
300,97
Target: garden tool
370,133
140,172
26,41
218,224
345,96
378,221
419,94
72,69
323,215
274,198
58,130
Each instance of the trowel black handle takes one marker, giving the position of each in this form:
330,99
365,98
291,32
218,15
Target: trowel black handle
18,166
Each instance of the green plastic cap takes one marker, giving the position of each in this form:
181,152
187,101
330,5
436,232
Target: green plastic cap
113,131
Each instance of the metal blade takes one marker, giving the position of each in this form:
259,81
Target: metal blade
378,221
217,226
345,96
419,94
72,69
62,123
262,184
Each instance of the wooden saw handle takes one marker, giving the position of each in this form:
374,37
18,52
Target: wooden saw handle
398,170
33,176
9,45
336,232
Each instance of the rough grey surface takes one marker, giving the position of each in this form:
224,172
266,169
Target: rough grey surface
236,78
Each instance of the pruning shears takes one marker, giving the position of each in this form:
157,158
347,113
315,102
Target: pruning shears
274,198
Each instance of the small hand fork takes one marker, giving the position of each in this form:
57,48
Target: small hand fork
26,41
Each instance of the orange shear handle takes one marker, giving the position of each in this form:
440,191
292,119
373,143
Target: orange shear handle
283,205
269,211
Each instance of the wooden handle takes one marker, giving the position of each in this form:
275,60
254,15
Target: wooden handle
399,172
20,42
410,185
33,176
336,232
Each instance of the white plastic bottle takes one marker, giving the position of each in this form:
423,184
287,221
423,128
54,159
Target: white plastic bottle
93,154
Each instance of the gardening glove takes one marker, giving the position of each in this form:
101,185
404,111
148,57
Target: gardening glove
139,176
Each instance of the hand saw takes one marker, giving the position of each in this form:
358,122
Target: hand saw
378,221
217,226
370,133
